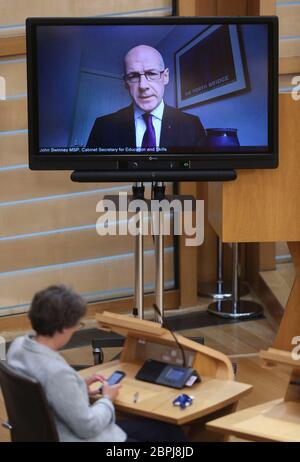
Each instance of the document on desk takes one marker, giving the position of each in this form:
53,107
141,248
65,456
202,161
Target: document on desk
190,382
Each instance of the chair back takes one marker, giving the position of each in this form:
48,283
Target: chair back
27,408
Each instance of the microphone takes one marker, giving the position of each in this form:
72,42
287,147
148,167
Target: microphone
166,326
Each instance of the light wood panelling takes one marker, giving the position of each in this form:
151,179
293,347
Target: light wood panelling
28,184
54,213
289,65
67,246
74,210
13,114
13,149
31,184
16,11
289,26
289,23
18,289
11,45
14,72
289,48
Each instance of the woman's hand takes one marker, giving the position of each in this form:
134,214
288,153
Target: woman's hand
90,380
110,391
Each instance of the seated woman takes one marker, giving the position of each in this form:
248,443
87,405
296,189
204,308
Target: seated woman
55,315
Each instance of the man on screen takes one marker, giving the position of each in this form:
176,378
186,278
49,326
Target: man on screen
148,122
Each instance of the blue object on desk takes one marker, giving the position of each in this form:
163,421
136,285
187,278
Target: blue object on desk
183,401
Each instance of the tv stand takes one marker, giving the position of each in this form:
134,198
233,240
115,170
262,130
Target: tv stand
186,174
157,217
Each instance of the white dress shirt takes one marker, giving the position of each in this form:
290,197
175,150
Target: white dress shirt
140,124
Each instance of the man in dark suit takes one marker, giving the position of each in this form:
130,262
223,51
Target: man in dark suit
148,122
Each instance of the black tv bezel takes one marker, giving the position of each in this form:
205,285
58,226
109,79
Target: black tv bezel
109,162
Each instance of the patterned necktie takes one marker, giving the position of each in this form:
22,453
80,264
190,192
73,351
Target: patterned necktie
149,138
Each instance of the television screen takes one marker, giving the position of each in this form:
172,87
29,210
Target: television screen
166,93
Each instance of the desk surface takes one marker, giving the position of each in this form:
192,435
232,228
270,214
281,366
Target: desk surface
155,401
272,421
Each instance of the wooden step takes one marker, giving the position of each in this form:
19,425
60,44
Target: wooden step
67,246
16,11
103,278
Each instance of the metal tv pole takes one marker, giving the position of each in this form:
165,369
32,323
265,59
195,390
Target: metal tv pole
220,289
235,308
158,192
138,309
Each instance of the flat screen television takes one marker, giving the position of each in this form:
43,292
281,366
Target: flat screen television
150,98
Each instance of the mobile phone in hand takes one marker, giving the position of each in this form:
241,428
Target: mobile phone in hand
114,378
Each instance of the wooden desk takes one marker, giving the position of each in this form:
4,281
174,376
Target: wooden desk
155,401
272,421
215,396
277,420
